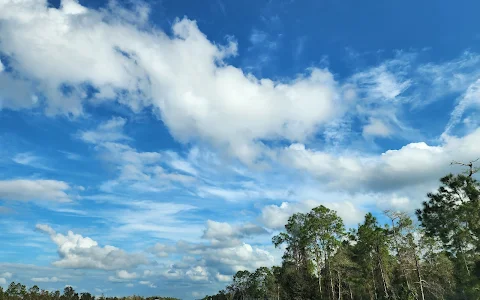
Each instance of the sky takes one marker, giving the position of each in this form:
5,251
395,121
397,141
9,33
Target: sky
154,148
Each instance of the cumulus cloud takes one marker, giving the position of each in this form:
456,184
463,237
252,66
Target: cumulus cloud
29,189
122,276
276,216
197,273
223,278
412,165
228,259
219,258
4,277
80,252
162,250
184,77
222,231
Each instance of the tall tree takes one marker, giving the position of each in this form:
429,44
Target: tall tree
325,230
372,254
453,215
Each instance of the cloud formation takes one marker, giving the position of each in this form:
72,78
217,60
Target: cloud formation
4,277
184,77
80,252
45,279
29,189
412,165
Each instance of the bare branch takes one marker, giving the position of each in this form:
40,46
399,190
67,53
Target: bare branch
471,170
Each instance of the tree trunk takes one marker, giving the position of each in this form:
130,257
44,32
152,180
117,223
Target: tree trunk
327,263
374,284
419,275
339,286
350,289
331,282
399,256
319,271
466,265
385,289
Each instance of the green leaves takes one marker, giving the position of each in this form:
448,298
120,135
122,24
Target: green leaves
452,215
397,261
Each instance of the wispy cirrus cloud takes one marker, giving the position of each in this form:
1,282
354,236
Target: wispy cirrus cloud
31,160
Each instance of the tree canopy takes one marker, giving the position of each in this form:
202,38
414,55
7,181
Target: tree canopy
435,256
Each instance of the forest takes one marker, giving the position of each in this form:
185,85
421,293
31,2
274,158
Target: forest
17,291
433,255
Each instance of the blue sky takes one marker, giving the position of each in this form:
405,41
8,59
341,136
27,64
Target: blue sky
155,147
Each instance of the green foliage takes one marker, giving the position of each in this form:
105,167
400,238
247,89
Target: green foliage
438,258
18,291
452,215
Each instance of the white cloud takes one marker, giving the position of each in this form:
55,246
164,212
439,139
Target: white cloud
228,259
162,250
129,285
31,160
400,203
126,275
470,99
222,231
220,257
45,279
223,278
447,78
4,277
276,216
1,67
414,164
109,131
257,37
184,77
27,189
183,166
77,252
381,83
197,273
376,128
156,219
148,283
122,276
140,171
25,158
242,191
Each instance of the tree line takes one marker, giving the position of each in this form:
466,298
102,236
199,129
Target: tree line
18,291
435,256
